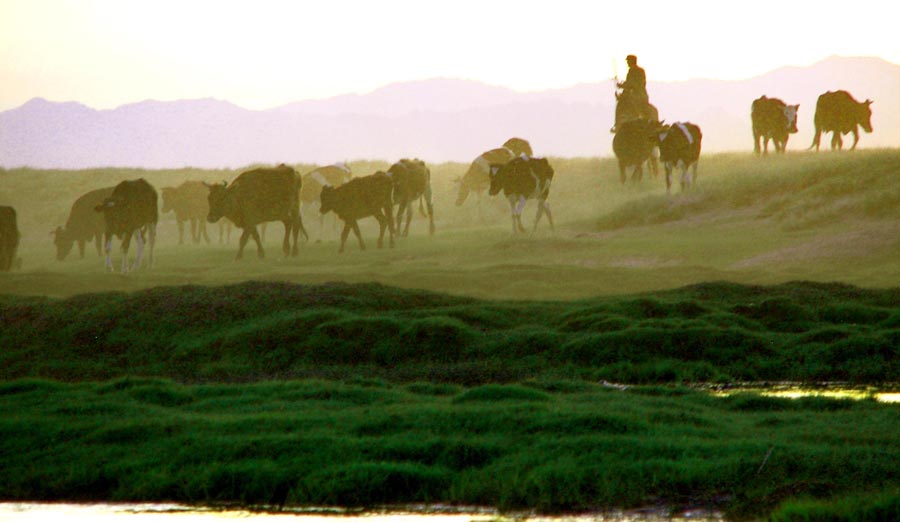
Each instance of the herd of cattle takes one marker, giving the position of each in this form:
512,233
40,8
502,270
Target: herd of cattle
640,136
262,195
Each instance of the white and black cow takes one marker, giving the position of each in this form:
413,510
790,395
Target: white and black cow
679,146
521,179
772,120
131,209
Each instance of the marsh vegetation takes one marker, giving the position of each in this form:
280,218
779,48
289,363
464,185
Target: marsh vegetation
467,367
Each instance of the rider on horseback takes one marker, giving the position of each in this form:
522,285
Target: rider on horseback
633,102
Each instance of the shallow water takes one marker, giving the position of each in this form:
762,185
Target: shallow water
790,391
47,512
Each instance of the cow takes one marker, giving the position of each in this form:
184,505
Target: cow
518,146
83,225
521,179
259,196
772,120
313,181
130,209
358,198
189,202
634,143
679,146
9,238
838,113
412,181
477,178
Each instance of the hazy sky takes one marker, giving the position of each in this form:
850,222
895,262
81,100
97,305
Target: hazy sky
264,53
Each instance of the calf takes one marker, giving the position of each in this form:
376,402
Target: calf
521,179
259,196
679,146
9,238
84,224
189,202
412,181
313,181
359,198
130,209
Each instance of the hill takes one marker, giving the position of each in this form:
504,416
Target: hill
437,120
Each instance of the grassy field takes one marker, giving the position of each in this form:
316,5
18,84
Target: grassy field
818,217
465,367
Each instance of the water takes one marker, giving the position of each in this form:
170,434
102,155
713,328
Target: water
832,391
51,512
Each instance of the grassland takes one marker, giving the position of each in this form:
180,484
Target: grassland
464,367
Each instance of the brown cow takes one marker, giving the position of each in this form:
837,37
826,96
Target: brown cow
412,181
838,113
772,120
189,202
313,181
359,198
258,196
84,224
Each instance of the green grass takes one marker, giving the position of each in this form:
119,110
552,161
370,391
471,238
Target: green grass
818,217
711,332
463,368
554,446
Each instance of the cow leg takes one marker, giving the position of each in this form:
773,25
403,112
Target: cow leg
203,233
540,212
260,253
126,243
195,235
98,242
390,219
355,226
668,177
638,172
382,224
242,243
430,208
756,147
816,139
139,239
836,141
855,138
151,234
408,219
81,248
622,175
344,234
108,239
286,244
546,206
180,232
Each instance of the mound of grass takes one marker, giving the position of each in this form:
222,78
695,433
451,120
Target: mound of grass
264,331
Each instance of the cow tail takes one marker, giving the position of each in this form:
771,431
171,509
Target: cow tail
298,181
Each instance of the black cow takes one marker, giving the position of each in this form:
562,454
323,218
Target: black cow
130,209
412,181
772,120
679,146
259,196
838,113
9,238
521,179
189,202
84,224
359,198
634,143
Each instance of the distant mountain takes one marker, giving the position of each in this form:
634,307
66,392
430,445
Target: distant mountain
438,120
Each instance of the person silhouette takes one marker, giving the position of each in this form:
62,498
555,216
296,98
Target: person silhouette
635,84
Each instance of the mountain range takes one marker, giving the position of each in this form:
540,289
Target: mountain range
437,120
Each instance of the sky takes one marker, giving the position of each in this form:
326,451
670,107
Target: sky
261,54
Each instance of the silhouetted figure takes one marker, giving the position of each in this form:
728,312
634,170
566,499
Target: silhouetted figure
635,84
633,102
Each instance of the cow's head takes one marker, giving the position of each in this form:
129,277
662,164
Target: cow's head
542,167
865,115
326,199
218,201
168,199
63,241
790,114
497,172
